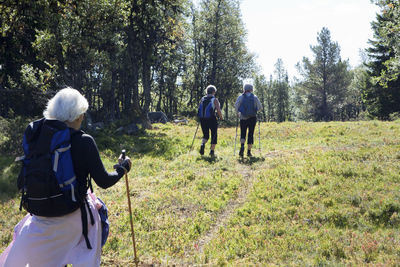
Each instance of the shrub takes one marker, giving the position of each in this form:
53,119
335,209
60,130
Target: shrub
13,130
8,176
382,213
394,116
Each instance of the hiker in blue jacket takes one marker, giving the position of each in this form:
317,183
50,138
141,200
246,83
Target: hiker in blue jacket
247,105
209,105
76,237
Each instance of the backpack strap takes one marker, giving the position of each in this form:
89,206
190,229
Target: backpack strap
85,203
85,221
90,183
85,225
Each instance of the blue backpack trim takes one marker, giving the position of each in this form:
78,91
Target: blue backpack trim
206,109
247,107
62,162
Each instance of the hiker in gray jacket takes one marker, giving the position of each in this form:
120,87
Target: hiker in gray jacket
247,105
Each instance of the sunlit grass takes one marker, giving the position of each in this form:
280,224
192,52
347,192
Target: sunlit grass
316,194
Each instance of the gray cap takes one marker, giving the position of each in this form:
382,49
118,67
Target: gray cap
248,87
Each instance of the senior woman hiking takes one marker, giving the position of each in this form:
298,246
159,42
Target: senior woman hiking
247,104
63,228
209,108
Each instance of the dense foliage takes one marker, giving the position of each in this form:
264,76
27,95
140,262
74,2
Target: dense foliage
127,57
382,92
130,57
274,95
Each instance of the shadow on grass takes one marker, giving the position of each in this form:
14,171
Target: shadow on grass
144,143
210,159
250,160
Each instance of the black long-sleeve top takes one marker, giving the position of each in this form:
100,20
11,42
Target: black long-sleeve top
86,160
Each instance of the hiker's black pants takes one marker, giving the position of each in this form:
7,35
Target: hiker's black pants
250,124
208,125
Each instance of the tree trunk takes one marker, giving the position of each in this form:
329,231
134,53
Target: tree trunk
134,49
226,111
324,110
214,59
160,89
146,80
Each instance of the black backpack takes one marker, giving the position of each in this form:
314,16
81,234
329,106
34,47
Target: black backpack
47,179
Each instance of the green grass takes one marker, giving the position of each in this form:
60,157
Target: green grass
319,194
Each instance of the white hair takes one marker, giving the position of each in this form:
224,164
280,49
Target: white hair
211,89
67,105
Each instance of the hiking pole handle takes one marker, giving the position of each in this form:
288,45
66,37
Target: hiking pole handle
123,153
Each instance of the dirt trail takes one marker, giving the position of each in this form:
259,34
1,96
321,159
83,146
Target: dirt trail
231,207
223,218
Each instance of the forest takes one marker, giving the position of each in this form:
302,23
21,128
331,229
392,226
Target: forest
132,57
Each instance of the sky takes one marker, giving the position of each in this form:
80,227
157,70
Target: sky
286,28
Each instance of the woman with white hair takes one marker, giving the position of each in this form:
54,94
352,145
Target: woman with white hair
209,105
76,237
247,105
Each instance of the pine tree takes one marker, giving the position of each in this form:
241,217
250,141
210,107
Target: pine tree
325,79
281,89
382,94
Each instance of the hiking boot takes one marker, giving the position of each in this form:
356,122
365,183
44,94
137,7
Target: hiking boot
241,151
249,153
202,150
212,153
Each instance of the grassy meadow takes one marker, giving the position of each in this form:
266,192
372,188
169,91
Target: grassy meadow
317,194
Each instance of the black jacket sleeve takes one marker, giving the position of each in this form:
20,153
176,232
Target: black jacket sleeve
86,160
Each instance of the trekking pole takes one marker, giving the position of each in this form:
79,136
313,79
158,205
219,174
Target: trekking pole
194,137
259,136
130,212
237,122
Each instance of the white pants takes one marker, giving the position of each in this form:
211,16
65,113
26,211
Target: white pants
54,241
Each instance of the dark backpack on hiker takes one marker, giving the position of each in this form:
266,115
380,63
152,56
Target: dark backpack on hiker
248,106
206,109
47,179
